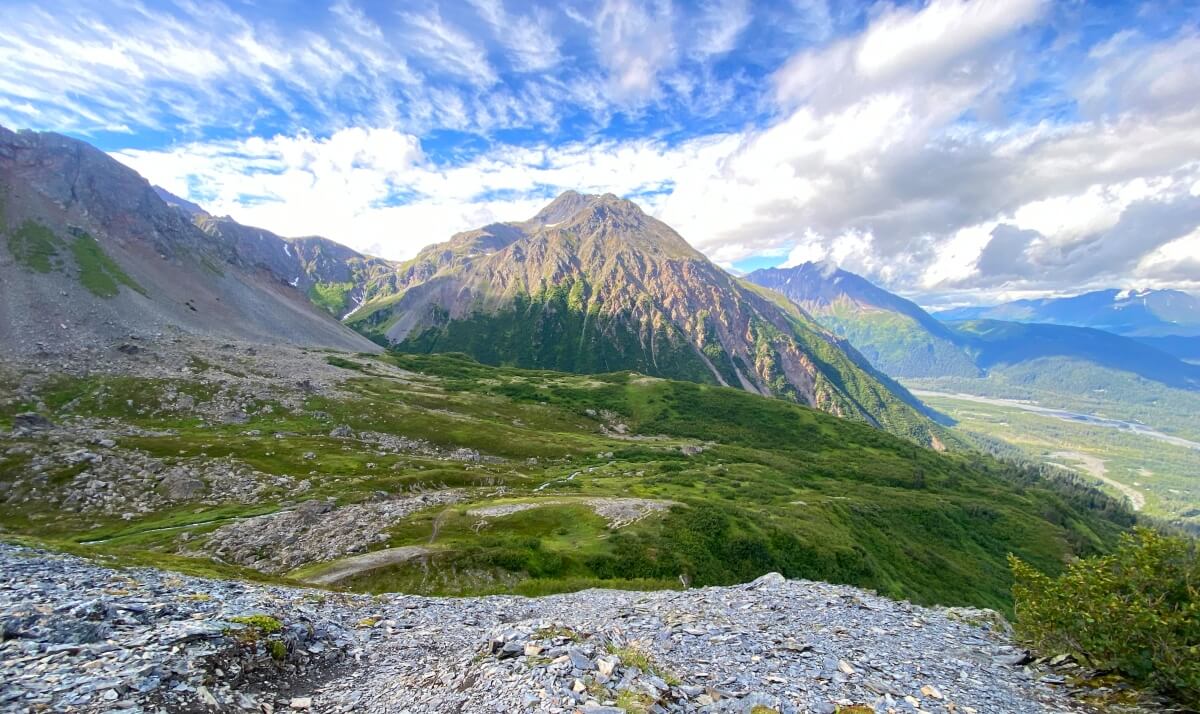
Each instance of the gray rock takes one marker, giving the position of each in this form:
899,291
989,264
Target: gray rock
166,642
31,421
768,581
180,486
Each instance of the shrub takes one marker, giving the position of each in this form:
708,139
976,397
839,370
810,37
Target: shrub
263,623
1136,611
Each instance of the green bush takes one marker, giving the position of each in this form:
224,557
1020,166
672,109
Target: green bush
1136,611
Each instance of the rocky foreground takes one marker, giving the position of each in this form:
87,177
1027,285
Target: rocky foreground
78,636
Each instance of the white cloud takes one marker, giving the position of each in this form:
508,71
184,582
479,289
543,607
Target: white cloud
946,42
906,42
529,39
888,150
719,26
1132,73
449,48
635,41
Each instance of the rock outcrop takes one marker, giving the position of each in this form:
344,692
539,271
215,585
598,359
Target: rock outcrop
93,254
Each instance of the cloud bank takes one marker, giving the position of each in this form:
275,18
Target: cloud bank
948,149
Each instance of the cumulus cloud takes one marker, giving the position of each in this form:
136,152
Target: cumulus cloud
1006,255
943,148
947,40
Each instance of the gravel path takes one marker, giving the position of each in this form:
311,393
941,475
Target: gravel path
347,567
81,637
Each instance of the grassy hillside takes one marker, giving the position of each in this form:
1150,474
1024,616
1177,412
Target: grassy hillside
994,343
743,485
897,344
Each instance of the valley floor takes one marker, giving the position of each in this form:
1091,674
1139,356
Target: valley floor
82,637
1158,477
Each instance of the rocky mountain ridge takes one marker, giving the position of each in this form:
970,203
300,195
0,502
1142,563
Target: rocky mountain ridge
94,254
589,284
594,284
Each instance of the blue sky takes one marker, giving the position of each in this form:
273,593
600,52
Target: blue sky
946,148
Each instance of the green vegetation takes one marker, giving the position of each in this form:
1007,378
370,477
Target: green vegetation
1163,474
633,656
1136,611
331,297
634,702
97,272
554,329
264,624
35,246
776,486
896,343
278,650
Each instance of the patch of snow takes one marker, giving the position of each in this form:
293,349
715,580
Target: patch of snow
296,281
287,250
358,302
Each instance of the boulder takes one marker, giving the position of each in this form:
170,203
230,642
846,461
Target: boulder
31,421
180,486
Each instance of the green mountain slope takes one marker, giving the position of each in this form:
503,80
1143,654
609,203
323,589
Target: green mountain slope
593,284
730,484
896,335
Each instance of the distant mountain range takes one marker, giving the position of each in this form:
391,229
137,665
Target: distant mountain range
904,341
589,284
895,334
1183,347
1149,313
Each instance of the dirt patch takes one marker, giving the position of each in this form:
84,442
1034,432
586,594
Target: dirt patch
505,509
1095,467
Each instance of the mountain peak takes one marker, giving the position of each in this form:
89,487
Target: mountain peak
560,209
570,203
